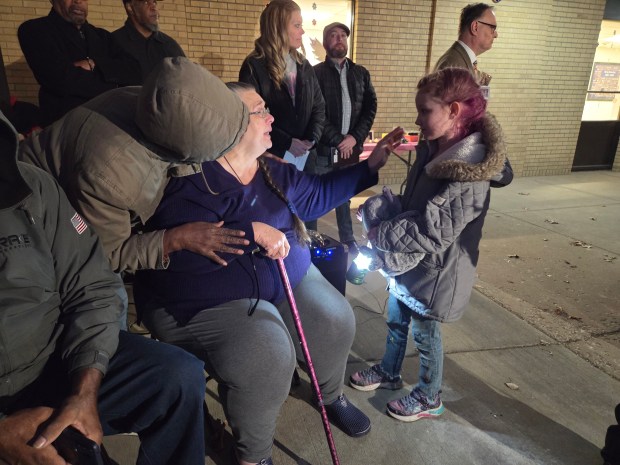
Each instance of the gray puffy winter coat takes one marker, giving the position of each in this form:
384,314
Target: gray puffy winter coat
451,194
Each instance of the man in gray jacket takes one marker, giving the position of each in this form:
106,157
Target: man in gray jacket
114,155
63,361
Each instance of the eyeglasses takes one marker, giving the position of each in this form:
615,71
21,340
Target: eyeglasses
147,2
492,26
262,113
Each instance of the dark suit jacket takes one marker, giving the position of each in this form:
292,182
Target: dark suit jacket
51,45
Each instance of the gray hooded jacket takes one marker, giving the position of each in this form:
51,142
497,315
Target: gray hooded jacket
57,292
115,154
444,205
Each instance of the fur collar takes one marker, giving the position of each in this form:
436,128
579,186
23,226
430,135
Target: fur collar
466,160
470,150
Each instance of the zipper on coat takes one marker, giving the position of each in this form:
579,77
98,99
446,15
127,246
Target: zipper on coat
27,213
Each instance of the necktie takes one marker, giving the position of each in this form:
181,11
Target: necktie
476,65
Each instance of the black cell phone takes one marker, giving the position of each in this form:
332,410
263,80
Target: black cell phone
339,162
77,449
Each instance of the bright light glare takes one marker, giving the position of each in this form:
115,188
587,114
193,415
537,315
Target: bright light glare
362,261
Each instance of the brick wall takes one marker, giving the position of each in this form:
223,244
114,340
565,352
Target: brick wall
562,79
540,63
391,39
222,33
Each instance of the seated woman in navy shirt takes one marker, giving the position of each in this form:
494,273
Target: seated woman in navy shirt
231,310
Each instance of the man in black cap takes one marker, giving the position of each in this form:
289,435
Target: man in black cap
350,108
141,37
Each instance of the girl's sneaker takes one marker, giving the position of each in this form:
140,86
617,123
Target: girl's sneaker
374,378
415,406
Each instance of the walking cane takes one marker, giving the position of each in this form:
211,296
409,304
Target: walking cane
304,348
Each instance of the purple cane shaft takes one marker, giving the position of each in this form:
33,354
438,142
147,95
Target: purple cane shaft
306,352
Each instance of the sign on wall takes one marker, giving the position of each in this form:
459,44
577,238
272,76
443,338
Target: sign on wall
605,77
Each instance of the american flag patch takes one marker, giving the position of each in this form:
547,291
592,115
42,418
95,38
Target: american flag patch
78,223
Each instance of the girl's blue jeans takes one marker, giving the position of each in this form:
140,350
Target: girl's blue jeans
427,337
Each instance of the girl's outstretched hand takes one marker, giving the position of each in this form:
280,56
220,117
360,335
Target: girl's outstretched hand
379,156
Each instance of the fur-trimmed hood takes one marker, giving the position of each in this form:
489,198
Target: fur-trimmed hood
467,160
444,211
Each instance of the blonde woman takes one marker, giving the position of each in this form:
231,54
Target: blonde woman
286,81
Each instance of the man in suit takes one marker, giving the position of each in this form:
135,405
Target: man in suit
477,31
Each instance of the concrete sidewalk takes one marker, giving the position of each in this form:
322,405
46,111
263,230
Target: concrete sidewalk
564,402
551,254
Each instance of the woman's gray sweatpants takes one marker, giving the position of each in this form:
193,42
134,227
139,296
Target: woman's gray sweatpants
252,357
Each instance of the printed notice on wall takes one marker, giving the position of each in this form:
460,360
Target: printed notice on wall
605,77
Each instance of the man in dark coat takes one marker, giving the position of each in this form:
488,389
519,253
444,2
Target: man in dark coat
350,108
141,37
72,60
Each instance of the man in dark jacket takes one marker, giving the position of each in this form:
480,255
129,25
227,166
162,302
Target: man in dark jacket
350,108
141,37
72,60
63,360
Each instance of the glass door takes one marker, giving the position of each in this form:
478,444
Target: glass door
598,136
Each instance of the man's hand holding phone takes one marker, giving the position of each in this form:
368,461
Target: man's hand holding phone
77,449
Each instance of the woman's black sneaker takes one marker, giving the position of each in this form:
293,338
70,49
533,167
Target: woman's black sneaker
348,417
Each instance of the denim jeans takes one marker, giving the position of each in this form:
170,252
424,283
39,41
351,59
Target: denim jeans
151,388
427,337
